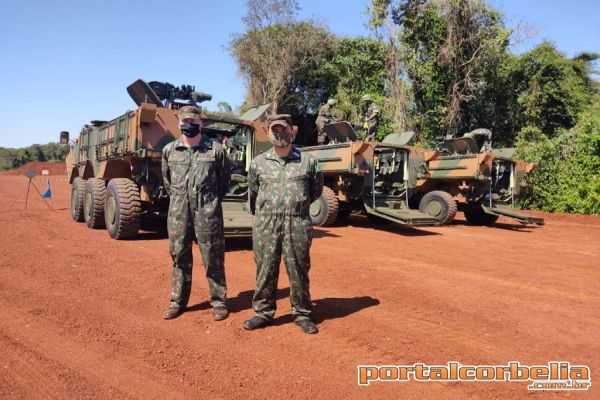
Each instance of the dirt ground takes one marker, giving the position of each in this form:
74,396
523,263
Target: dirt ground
80,314
52,168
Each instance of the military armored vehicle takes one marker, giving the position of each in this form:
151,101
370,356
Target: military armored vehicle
372,177
465,174
114,166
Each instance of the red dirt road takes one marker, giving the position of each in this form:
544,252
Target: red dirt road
80,314
52,168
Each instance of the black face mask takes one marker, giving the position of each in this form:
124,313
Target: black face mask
190,130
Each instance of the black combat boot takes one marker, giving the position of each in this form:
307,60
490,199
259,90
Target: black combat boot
256,322
307,326
220,313
173,312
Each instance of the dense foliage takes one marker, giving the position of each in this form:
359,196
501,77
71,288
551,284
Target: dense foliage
444,67
14,158
568,176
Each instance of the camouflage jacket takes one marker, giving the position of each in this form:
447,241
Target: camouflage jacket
202,169
284,186
372,114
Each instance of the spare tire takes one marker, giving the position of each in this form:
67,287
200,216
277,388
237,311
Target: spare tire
324,211
439,204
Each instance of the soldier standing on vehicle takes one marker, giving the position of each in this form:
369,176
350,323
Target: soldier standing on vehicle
370,116
325,117
196,177
282,182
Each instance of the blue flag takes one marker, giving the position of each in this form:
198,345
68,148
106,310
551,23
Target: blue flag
48,193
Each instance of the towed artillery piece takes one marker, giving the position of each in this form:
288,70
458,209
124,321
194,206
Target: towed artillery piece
465,174
367,176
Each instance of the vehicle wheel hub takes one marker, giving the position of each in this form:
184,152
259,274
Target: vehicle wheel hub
434,208
88,204
315,208
111,210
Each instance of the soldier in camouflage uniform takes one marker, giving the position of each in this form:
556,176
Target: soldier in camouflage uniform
370,116
196,177
324,117
283,182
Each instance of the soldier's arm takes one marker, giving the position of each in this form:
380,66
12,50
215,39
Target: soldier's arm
252,186
316,180
375,112
224,174
321,111
166,174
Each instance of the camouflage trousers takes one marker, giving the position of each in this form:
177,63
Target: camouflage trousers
273,236
372,129
206,221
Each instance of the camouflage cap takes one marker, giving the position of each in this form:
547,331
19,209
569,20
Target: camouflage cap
280,119
189,112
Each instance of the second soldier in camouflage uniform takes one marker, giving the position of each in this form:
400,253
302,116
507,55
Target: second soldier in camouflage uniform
196,177
325,117
370,116
284,182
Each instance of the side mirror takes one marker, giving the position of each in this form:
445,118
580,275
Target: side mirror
64,137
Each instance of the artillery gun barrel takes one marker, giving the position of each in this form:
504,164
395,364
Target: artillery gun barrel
199,97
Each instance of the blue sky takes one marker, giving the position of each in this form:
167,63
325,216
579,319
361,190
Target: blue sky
64,63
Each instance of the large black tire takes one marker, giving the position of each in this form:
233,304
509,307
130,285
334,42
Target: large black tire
93,203
439,204
476,216
324,211
77,192
122,208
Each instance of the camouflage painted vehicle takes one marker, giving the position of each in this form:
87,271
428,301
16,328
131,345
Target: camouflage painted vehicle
366,176
114,167
465,174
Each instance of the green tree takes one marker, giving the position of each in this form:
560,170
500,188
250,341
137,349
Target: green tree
423,33
7,157
452,50
567,178
357,68
276,50
14,158
548,90
224,107
36,153
22,157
